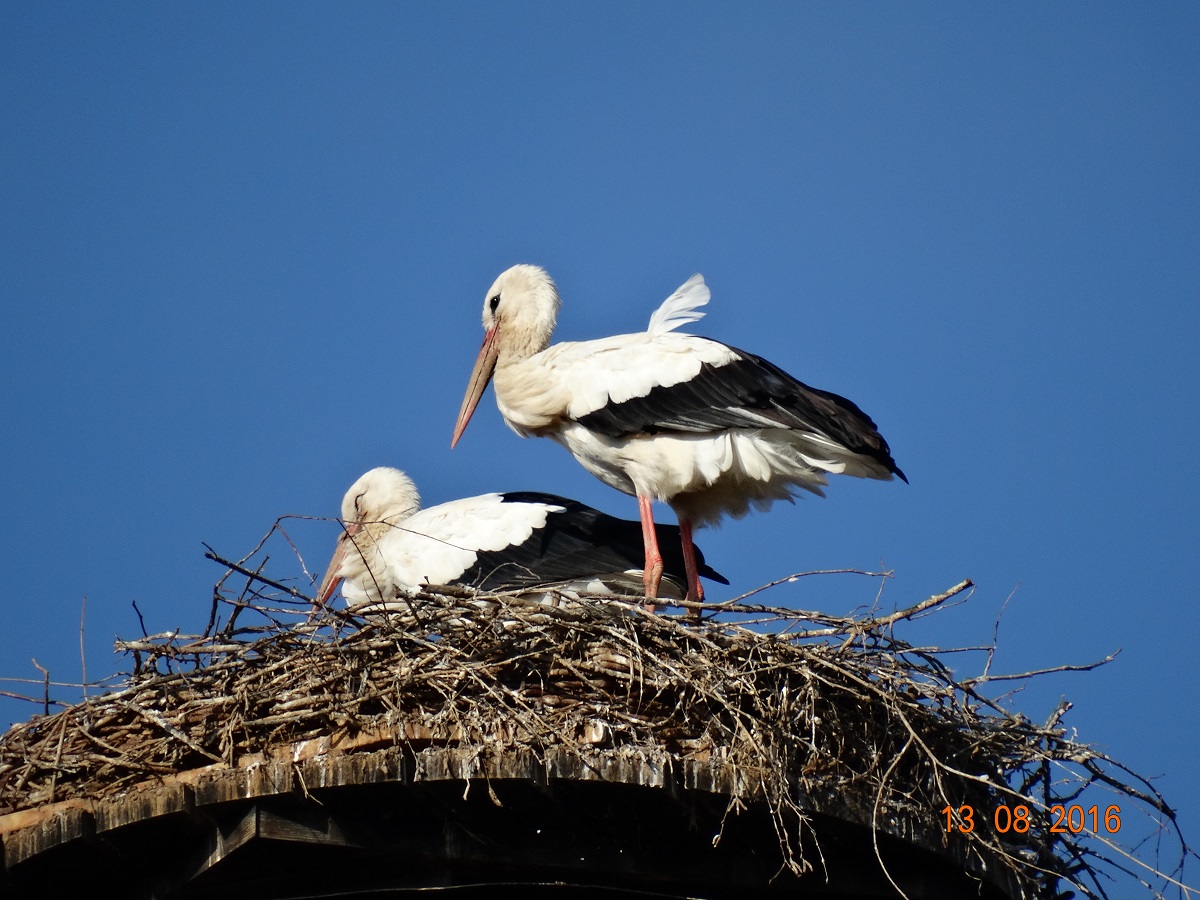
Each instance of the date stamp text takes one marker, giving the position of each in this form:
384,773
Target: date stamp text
1062,819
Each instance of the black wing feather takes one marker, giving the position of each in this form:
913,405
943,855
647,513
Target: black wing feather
579,542
748,392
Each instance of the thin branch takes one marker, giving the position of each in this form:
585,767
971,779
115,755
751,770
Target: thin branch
141,621
1025,676
789,579
256,576
82,654
45,686
914,611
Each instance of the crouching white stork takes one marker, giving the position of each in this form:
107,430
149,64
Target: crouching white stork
527,540
709,429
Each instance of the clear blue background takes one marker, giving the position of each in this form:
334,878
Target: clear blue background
243,250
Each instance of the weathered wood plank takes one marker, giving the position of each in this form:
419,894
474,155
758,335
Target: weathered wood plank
260,780
312,827
25,818
144,803
67,824
336,770
222,842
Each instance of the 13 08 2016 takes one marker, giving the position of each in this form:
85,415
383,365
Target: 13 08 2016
1062,819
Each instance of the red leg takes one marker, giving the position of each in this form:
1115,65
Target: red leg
695,592
652,572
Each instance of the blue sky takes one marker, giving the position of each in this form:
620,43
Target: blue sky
243,250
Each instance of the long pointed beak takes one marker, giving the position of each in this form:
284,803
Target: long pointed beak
485,366
332,579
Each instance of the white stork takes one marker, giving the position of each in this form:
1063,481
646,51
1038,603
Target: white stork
705,427
527,540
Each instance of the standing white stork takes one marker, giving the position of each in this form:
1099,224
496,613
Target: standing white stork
709,429
526,540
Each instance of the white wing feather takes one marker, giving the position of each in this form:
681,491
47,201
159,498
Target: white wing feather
681,307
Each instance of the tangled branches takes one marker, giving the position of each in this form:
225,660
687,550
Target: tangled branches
800,711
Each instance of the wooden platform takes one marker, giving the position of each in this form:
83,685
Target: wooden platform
489,821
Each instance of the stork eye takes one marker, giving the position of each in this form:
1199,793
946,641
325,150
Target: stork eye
357,503
494,302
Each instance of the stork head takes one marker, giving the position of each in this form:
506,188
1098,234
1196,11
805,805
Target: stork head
383,495
519,313
380,499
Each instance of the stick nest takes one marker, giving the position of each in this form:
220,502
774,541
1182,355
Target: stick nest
810,711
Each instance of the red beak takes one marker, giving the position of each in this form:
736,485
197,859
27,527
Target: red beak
332,579
485,366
